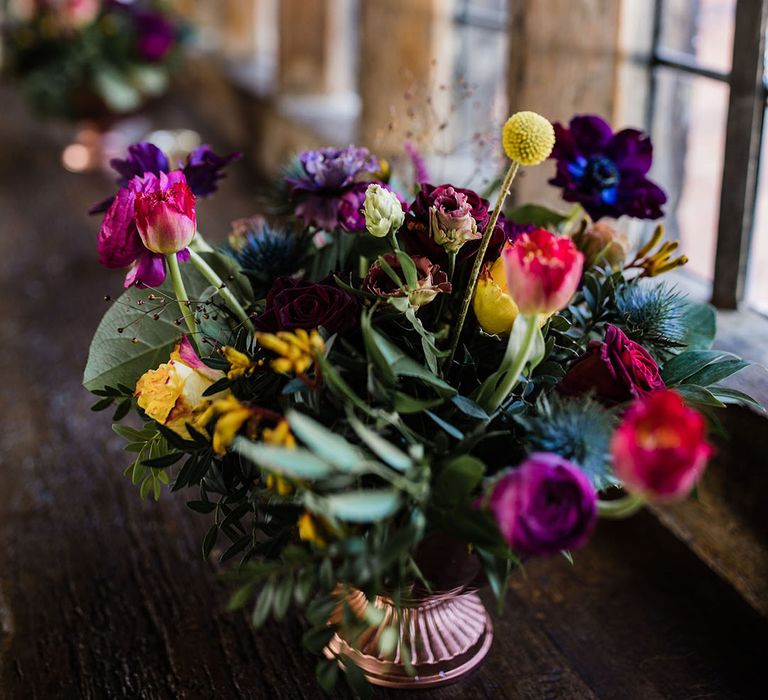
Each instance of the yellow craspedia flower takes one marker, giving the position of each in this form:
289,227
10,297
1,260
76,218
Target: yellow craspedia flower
494,308
528,138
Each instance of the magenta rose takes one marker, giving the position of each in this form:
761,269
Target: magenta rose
293,304
544,506
617,369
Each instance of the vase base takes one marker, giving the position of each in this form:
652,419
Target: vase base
443,647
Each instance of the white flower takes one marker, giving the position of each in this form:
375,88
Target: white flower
383,212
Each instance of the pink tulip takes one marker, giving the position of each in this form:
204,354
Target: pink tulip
164,209
660,448
543,271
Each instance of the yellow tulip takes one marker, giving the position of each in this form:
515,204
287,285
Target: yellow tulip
494,308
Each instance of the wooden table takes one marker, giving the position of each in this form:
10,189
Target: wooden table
105,596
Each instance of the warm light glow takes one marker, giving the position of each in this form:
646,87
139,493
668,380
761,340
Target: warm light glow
76,157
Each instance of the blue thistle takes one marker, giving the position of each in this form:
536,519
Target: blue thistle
265,252
653,315
579,430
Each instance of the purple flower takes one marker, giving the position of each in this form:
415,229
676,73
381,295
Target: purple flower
420,171
544,506
605,172
293,304
330,190
203,169
155,35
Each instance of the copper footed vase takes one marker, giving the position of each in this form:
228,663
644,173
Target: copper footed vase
446,636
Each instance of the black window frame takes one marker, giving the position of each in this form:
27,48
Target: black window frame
747,104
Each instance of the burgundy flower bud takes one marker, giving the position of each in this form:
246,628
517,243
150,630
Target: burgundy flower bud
430,278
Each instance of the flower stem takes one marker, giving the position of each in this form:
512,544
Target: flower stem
181,294
199,244
516,362
229,299
451,265
622,507
469,293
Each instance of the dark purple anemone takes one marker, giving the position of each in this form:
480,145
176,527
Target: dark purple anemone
203,169
606,172
330,188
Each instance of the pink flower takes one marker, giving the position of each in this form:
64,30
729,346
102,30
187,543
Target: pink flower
164,209
660,448
76,14
544,506
120,243
543,271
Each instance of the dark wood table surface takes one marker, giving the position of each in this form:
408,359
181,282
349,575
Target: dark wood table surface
105,596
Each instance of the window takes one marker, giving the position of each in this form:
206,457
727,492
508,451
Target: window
707,106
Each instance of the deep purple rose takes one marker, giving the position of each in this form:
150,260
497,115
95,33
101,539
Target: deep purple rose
606,172
330,189
544,506
417,238
293,304
617,369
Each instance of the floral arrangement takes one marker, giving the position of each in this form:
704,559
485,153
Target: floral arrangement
91,58
378,378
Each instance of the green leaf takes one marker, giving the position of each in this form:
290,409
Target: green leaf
283,594
209,541
201,506
327,445
446,426
382,448
298,463
263,605
113,357
326,674
356,679
736,397
701,325
458,479
716,372
410,404
698,396
373,347
409,270
537,216
469,407
315,639
318,611
363,506
688,363
240,597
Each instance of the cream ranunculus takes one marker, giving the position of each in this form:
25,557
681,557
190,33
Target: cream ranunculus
383,212
170,393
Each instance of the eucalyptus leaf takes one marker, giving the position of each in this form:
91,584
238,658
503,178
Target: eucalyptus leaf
381,447
363,506
326,444
298,463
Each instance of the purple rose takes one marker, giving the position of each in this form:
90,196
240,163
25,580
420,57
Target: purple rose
544,506
617,370
293,304
606,172
416,236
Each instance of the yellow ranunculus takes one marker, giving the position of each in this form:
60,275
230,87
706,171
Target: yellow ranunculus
170,393
494,308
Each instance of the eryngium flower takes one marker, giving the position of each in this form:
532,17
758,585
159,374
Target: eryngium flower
606,172
330,188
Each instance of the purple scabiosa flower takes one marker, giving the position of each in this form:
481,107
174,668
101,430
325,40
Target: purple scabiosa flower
606,172
544,506
329,188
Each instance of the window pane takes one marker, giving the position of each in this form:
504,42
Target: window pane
757,279
702,29
689,138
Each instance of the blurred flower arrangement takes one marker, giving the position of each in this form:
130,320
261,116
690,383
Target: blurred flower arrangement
395,391
93,58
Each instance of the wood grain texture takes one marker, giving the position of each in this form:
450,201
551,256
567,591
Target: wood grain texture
104,596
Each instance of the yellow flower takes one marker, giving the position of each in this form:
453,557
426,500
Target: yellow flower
231,416
653,264
281,436
170,393
494,308
297,350
240,365
311,530
528,138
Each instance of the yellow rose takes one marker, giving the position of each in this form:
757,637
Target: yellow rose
170,393
495,309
